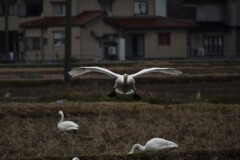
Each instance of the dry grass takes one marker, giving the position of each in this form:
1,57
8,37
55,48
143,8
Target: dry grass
29,129
168,109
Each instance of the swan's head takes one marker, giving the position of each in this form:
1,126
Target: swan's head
174,145
125,76
75,158
60,112
136,148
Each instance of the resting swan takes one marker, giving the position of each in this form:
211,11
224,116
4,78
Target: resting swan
75,158
153,146
66,125
124,84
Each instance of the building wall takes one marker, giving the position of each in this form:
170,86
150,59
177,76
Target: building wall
33,55
230,44
48,6
89,35
119,7
232,12
210,12
177,49
51,52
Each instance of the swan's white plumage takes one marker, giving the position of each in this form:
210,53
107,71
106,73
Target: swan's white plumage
82,70
75,158
154,145
124,84
170,71
66,125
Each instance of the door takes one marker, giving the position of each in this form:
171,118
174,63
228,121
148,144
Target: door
138,45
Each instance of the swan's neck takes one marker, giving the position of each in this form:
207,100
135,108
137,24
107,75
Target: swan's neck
137,146
62,118
125,78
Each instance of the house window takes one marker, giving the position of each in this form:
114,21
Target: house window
32,43
59,9
11,11
22,10
1,9
30,8
213,45
140,8
58,38
164,39
106,6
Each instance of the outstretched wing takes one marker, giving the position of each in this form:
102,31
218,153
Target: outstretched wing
170,71
82,70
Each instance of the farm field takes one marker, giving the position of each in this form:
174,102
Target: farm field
205,126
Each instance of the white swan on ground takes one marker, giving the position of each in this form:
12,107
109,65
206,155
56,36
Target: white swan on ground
75,158
124,84
66,125
153,146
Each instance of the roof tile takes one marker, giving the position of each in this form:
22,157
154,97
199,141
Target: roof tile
81,19
150,22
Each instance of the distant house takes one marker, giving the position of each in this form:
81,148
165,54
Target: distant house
217,34
101,30
153,37
19,11
49,33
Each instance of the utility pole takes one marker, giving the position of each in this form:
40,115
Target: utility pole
67,61
6,27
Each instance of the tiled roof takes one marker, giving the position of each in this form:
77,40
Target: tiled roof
149,22
87,17
81,19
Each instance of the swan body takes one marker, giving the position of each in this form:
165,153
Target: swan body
75,158
153,146
66,125
124,84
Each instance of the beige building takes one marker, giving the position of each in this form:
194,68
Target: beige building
101,30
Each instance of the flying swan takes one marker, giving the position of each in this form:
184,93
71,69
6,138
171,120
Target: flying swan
124,84
66,125
153,146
